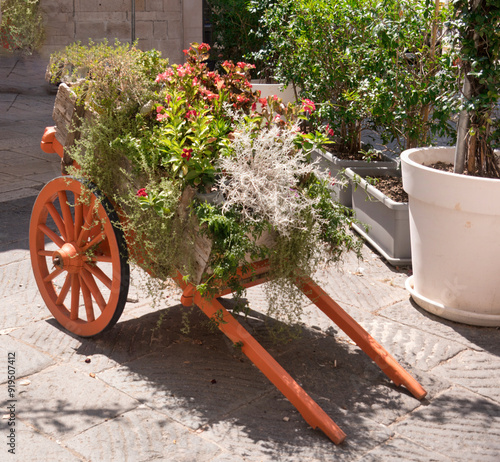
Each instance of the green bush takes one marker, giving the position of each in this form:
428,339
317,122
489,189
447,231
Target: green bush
369,64
22,25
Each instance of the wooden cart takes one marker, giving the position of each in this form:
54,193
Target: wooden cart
80,262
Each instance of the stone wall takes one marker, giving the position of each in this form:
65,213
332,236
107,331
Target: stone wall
166,25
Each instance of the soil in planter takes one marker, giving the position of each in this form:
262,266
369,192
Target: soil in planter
350,156
392,187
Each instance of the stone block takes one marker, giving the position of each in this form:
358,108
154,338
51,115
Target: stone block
56,6
173,6
160,30
27,360
140,5
118,29
34,446
155,5
144,29
89,30
458,423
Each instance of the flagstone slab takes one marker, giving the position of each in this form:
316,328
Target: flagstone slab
463,425
33,446
189,382
477,338
142,434
398,449
27,360
62,402
271,429
476,371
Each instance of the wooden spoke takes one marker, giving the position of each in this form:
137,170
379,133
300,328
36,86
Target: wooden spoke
51,235
96,240
88,222
99,274
75,296
78,217
99,258
66,212
87,300
64,290
52,275
57,220
94,290
45,253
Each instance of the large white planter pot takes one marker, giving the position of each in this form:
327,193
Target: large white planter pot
455,239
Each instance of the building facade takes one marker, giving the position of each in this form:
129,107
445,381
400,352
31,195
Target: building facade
166,25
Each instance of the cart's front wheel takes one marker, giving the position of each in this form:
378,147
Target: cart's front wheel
79,256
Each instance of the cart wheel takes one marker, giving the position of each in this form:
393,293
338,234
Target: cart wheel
79,256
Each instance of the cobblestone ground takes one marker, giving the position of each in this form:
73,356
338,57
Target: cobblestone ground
161,393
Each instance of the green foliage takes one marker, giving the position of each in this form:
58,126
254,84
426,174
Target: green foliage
476,31
366,63
22,25
236,30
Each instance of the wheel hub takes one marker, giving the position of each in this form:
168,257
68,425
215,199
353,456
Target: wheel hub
68,258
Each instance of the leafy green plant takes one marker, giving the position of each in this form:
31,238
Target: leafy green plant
22,26
477,43
367,64
236,31
412,72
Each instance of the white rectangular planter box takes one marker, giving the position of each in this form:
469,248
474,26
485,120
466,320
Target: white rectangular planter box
387,220
342,189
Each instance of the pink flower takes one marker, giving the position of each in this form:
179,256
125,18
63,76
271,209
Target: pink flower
263,102
254,106
308,106
142,193
191,114
204,47
165,75
242,99
186,154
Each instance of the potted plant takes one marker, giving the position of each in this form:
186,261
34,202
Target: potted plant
455,216
156,141
317,46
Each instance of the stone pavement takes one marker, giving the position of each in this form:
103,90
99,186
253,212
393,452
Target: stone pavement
163,393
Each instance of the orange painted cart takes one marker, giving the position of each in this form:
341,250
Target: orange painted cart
80,261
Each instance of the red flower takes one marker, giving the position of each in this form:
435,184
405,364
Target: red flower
191,114
142,193
186,154
308,106
204,47
263,102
